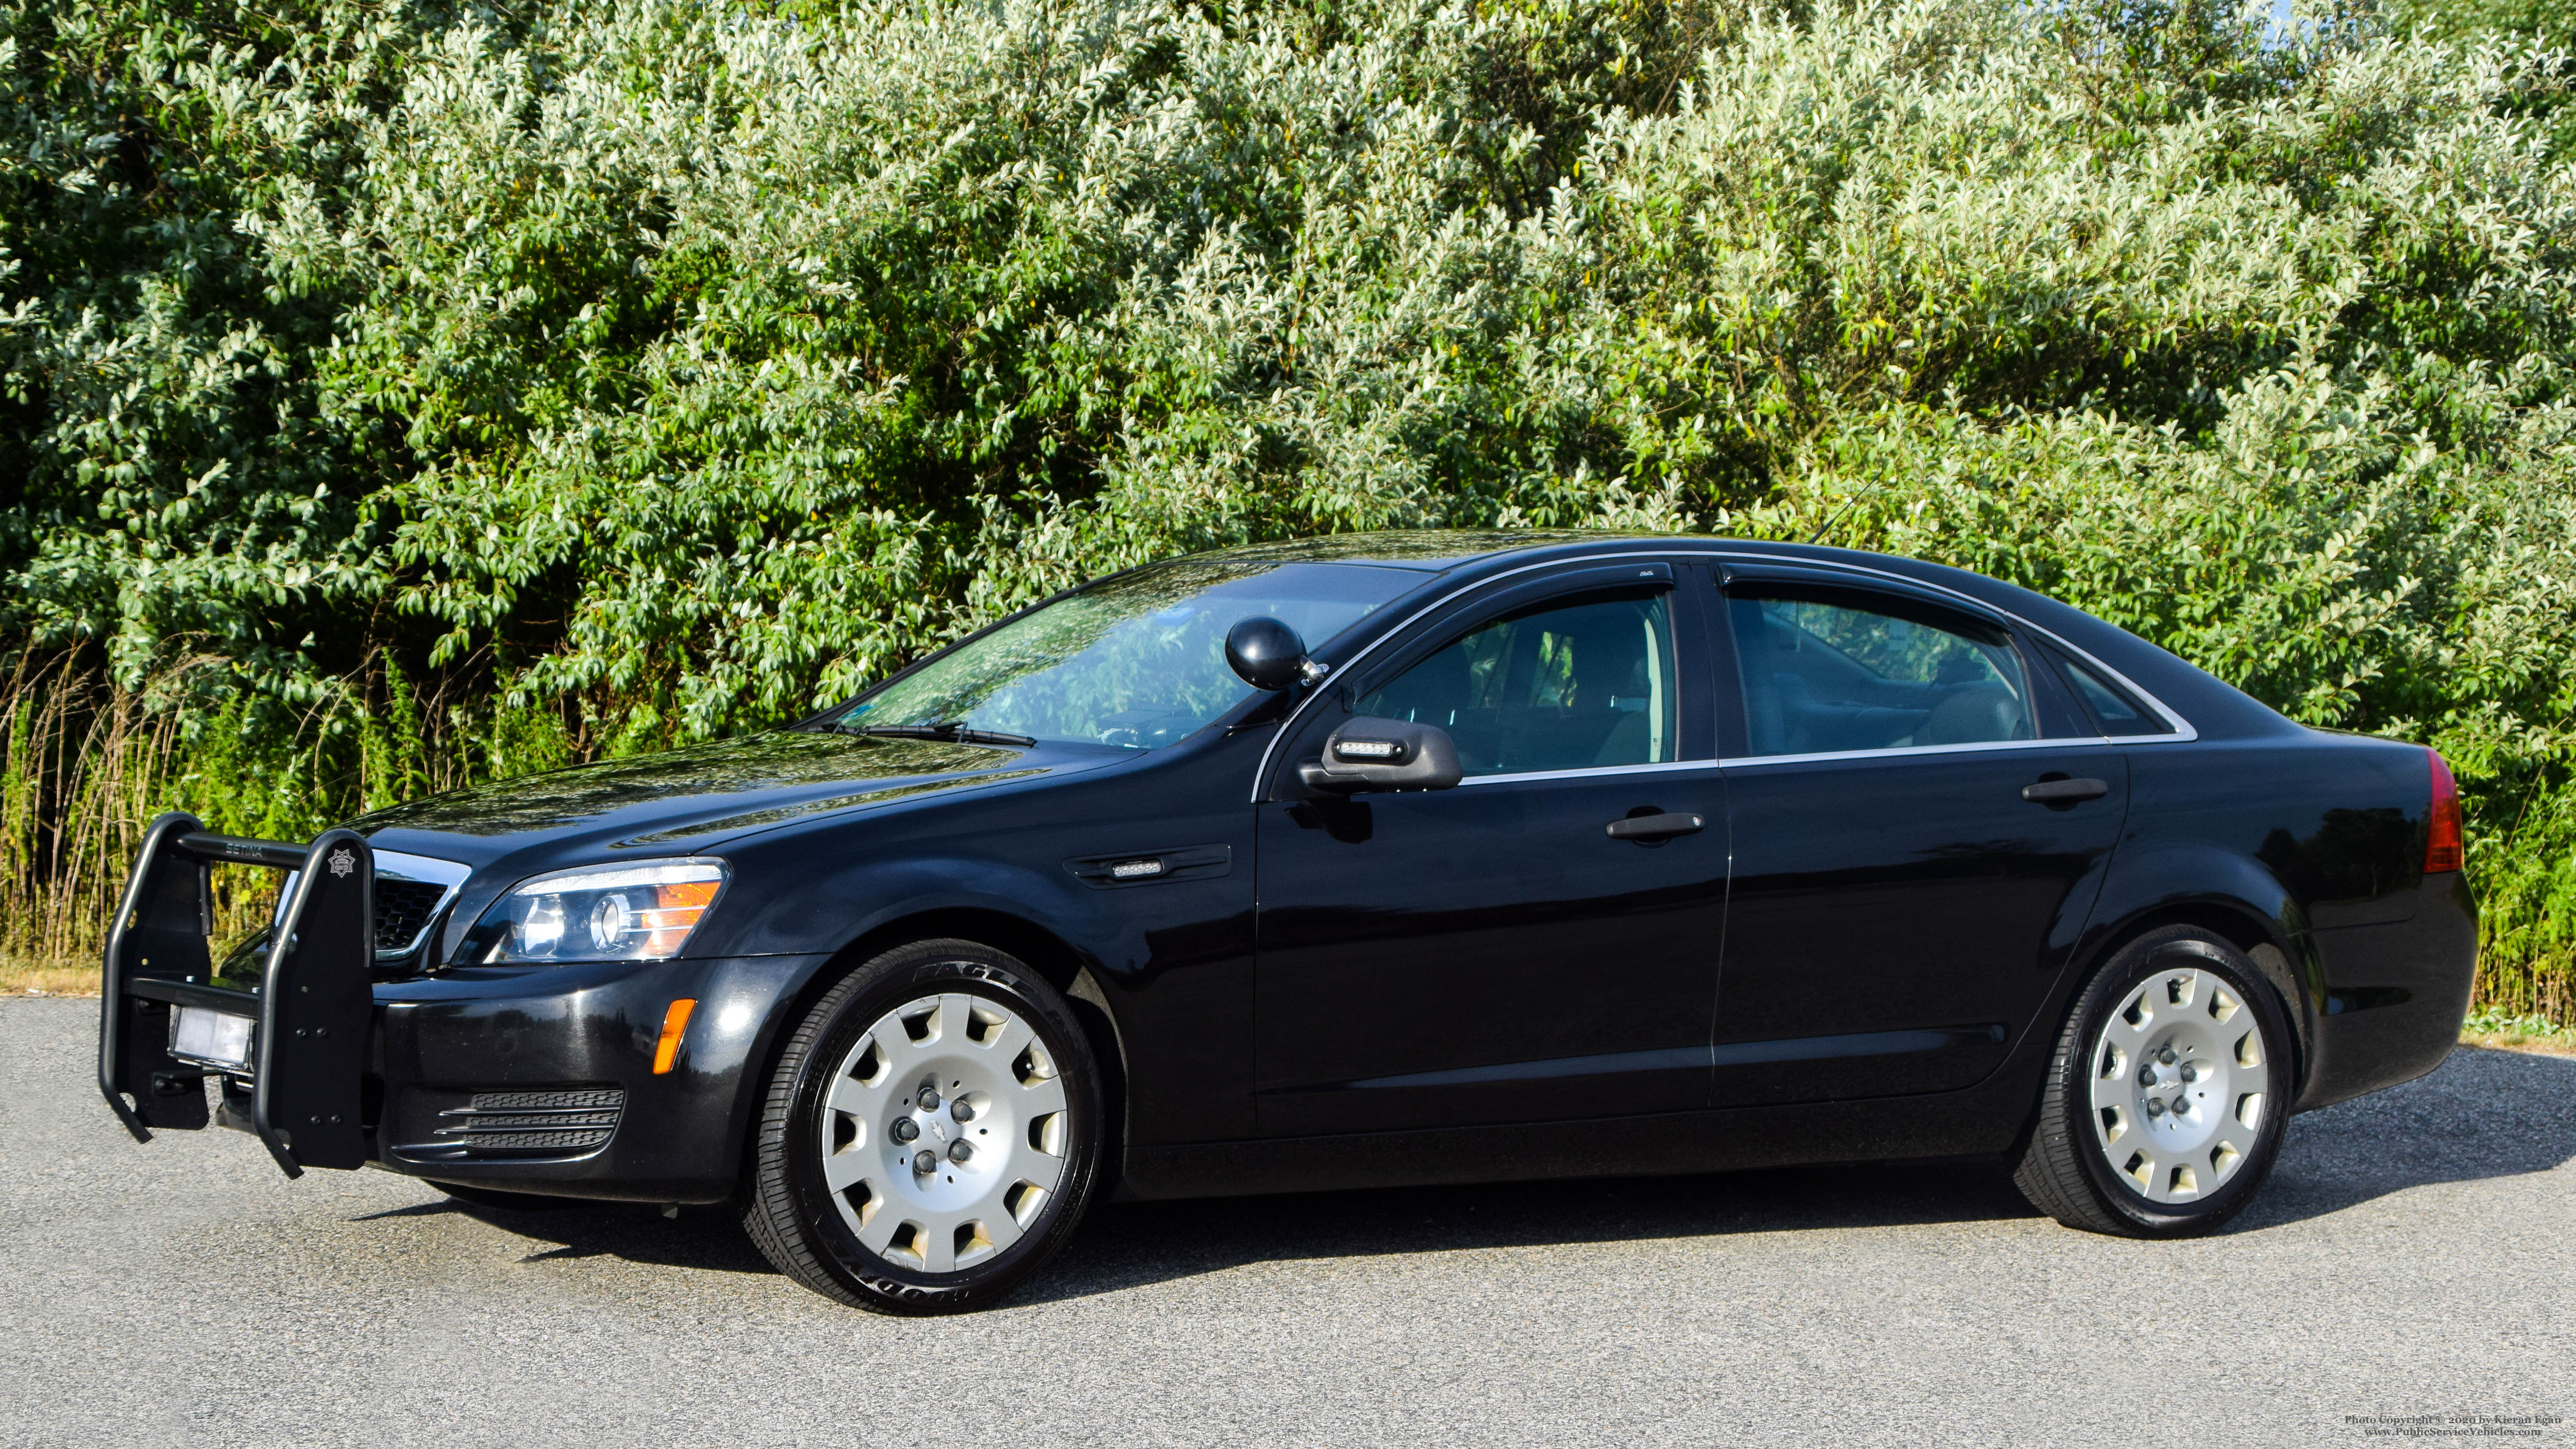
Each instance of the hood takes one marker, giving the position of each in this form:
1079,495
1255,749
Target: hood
704,793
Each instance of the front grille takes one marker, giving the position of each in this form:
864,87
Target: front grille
402,909
581,1099
527,1141
573,1120
523,1121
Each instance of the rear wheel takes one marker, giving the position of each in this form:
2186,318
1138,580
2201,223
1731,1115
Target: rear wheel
931,1134
2166,1101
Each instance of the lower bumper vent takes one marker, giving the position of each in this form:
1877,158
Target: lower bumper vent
538,1123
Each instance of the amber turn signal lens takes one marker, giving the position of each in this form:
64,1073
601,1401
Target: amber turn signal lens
674,1022
674,914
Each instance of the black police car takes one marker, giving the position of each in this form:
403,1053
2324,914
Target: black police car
1400,858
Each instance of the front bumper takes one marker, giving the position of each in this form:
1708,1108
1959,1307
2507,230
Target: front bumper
541,1078
536,1077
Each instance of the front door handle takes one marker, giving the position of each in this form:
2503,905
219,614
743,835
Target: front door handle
1654,827
2064,792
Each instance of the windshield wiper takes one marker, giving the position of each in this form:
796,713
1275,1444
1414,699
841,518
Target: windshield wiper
955,731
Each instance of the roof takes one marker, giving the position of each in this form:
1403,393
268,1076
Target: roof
1421,548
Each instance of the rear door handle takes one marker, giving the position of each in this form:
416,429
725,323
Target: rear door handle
2064,792
1654,827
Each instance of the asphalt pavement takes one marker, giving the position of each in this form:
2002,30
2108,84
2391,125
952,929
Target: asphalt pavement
2410,1259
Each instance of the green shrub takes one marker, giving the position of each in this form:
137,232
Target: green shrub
480,390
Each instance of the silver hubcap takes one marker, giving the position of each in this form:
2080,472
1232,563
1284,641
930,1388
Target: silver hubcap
2180,1081
945,1132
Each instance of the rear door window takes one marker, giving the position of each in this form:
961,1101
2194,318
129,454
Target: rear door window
1828,671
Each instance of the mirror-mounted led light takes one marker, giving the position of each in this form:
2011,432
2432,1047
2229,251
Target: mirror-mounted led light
640,911
1370,753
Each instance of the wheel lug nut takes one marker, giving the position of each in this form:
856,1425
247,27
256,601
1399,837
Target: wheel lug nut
958,1151
929,1099
906,1129
962,1110
2190,1073
2155,1106
2166,1056
925,1162
2146,1076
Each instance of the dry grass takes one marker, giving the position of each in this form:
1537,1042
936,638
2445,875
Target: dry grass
2559,1044
82,765
48,978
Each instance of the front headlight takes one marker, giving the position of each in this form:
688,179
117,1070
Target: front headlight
640,911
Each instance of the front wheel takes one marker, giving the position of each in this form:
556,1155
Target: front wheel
931,1135
2166,1101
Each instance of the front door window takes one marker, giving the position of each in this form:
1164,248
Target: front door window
1563,686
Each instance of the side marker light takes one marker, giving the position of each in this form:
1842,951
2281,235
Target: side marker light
674,1022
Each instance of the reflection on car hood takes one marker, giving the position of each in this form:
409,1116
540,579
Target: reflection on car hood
717,789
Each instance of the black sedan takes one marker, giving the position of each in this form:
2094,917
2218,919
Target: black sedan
1387,859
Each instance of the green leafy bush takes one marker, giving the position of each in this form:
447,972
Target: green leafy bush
471,390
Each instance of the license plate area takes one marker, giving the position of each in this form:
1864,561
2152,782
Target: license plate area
211,1038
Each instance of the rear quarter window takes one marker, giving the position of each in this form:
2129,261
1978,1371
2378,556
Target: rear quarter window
2113,709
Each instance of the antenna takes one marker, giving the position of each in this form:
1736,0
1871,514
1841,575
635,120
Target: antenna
1831,521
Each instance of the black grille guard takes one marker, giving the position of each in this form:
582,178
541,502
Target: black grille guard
312,1015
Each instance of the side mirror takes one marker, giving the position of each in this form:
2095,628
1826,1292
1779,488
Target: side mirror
1266,653
1384,754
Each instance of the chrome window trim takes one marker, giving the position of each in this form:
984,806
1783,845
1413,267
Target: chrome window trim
1288,726
1737,762
1589,772
2183,731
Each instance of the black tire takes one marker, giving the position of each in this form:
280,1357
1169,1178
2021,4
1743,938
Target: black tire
515,1202
2111,1037
811,1232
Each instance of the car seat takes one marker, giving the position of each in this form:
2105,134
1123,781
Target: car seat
1632,739
1975,714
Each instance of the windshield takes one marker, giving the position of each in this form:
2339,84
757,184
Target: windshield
1136,661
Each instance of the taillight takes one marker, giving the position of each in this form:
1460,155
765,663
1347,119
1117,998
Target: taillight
2442,840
